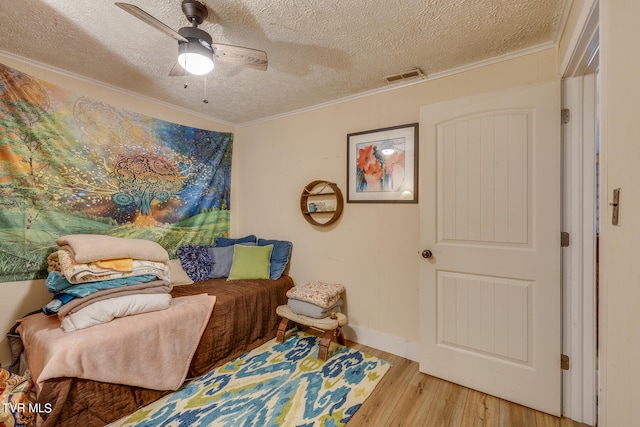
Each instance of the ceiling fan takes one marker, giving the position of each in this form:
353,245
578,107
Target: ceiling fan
196,49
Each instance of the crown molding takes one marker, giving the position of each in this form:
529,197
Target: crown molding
400,85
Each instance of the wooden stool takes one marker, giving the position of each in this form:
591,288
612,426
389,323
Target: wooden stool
331,327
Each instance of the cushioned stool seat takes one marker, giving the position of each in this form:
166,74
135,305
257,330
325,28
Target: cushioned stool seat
330,326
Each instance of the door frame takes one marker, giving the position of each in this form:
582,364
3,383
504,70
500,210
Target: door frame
580,382
579,258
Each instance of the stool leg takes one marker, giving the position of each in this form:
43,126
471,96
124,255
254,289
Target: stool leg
339,336
282,329
301,327
323,351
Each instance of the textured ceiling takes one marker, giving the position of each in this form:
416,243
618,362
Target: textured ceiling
318,50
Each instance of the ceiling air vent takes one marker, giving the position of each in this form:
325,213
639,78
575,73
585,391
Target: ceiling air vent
406,75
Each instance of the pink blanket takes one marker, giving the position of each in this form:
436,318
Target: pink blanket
151,350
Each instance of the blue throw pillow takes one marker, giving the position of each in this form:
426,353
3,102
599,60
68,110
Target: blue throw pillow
221,260
195,261
225,241
279,256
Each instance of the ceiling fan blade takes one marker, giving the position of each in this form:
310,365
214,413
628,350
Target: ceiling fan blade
144,16
240,55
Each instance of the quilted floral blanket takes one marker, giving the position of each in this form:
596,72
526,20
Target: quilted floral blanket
17,400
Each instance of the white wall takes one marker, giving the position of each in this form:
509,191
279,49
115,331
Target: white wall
373,250
620,245
19,298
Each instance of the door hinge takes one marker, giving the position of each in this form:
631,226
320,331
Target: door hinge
565,239
565,116
564,362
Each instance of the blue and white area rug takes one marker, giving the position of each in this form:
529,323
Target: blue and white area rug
277,384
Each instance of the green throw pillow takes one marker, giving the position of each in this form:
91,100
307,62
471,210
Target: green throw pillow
250,262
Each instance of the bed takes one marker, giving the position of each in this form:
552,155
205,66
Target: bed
243,318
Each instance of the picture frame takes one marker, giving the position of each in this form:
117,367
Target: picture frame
382,165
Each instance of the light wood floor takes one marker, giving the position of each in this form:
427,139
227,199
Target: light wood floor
407,397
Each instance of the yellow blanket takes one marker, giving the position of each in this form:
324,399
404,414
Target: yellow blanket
122,264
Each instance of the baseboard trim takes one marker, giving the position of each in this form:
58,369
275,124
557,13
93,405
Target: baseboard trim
385,342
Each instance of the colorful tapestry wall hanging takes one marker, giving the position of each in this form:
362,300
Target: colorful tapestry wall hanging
70,164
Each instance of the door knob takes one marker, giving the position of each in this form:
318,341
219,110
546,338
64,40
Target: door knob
427,253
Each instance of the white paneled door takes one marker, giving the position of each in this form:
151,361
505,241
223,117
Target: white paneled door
490,296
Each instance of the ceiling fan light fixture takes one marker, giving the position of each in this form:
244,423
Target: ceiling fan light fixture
195,58
195,48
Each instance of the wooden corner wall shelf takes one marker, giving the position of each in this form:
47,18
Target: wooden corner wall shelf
323,191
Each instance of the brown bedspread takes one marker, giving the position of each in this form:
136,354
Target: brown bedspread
244,317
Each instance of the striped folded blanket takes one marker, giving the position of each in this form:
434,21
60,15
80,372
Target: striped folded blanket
56,283
76,272
91,291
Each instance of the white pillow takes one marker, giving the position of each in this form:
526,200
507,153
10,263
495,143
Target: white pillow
177,275
104,311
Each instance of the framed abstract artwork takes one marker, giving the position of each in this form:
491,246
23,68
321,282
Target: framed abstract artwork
382,165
